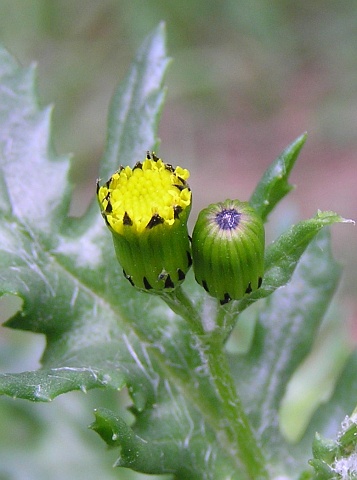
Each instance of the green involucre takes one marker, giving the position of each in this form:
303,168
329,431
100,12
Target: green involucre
157,259
228,243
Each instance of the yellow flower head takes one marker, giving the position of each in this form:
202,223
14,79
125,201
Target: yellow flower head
146,208
147,195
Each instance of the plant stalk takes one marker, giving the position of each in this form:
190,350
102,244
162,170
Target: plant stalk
181,304
228,413
236,424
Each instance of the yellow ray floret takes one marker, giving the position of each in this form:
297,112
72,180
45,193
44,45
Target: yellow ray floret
149,194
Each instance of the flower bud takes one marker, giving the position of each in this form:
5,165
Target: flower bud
228,250
146,208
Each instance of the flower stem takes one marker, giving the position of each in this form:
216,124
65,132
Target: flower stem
181,304
228,414
235,424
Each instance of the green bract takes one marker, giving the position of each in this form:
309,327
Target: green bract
228,250
146,208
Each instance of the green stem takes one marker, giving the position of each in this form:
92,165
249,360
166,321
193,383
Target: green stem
231,420
181,304
226,318
236,425
228,315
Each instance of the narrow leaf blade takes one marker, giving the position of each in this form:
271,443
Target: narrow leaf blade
274,185
283,255
136,103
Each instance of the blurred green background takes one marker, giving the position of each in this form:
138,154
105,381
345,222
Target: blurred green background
248,77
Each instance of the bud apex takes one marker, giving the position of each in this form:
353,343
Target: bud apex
228,250
146,208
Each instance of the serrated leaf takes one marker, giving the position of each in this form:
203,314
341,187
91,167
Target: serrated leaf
26,152
133,115
101,332
283,255
59,266
285,330
171,438
274,184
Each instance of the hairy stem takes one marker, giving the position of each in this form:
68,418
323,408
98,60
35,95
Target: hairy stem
181,304
235,424
231,423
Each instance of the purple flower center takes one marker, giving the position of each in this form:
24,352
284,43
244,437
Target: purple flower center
228,219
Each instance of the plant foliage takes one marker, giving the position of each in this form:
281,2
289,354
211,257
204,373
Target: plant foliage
169,350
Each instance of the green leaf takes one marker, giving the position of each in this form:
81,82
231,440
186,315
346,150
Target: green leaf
337,458
286,327
137,102
100,331
63,269
326,421
27,155
283,255
274,185
171,438
173,443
